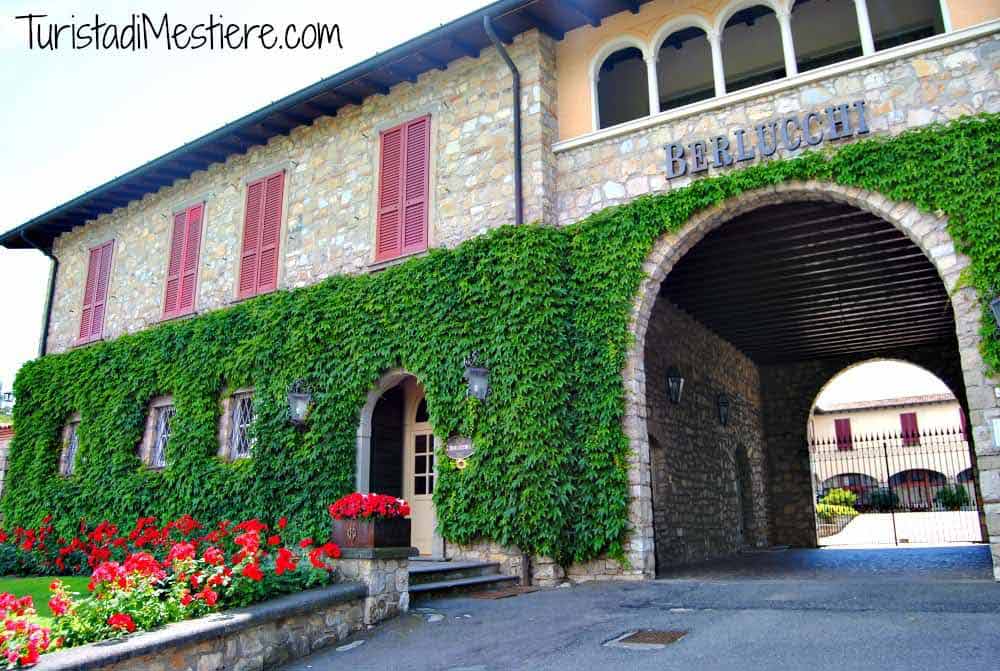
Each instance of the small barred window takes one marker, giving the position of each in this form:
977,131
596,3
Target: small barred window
158,453
241,439
67,461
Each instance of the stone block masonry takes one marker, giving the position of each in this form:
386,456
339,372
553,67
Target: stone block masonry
330,193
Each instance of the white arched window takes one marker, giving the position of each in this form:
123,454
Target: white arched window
621,83
754,48
895,22
825,32
684,69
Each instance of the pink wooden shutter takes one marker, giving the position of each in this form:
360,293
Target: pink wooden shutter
95,292
189,266
270,233
389,219
89,291
170,298
843,429
249,258
415,185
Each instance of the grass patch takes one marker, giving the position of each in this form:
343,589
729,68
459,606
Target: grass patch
38,588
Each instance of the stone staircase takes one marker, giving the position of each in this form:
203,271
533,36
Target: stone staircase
437,578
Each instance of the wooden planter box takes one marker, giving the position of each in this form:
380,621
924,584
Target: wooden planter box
374,533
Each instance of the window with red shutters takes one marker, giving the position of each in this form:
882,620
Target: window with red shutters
403,190
261,236
182,268
95,293
909,429
842,427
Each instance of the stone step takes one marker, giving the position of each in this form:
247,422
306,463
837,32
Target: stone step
428,572
481,582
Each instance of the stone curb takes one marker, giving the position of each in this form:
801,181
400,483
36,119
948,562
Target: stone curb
105,653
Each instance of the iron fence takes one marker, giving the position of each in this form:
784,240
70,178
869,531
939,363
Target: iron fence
895,488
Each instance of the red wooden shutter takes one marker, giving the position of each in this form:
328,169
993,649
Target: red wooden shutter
404,178
95,292
270,233
261,236
388,236
189,267
182,269
170,298
908,425
249,258
843,429
415,185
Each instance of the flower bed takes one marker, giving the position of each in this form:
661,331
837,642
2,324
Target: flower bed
157,574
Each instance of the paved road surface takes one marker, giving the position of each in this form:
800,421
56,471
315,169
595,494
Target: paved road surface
808,618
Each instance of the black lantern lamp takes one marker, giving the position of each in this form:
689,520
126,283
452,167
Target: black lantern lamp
675,384
995,309
478,377
723,401
299,403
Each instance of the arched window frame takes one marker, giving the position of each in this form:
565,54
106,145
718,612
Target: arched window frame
680,23
782,10
617,44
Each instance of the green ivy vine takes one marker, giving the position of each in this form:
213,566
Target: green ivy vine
548,310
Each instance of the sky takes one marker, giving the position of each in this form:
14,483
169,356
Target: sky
72,120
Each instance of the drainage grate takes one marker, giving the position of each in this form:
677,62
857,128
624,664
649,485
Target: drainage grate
646,639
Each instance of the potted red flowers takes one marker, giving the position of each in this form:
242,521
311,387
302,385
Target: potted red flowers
370,521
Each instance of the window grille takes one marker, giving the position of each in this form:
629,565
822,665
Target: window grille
158,455
240,436
68,462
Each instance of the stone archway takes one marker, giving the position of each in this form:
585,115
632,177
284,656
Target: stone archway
927,231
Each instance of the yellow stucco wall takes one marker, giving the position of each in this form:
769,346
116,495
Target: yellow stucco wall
575,53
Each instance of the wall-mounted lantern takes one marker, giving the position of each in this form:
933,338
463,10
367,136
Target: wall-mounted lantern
995,309
675,384
723,401
299,403
478,377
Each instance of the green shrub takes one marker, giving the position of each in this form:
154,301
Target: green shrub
952,498
18,562
840,497
827,512
883,500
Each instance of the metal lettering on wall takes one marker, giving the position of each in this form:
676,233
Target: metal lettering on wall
792,132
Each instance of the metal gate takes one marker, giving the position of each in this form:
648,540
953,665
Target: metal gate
895,489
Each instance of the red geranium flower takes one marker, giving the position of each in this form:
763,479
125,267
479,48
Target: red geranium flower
122,621
285,561
252,571
282,523
214,556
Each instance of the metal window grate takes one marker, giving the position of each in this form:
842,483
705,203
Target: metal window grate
68,462
158,455
241,440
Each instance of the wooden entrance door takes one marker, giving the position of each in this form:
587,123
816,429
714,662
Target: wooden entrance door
418,470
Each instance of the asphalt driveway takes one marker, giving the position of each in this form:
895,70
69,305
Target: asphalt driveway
797,621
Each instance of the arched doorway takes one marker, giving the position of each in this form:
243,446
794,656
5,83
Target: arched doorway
395,456
765,297
888,448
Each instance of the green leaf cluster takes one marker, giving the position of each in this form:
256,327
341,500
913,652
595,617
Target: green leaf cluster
547,308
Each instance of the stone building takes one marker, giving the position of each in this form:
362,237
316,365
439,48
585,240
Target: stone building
415,150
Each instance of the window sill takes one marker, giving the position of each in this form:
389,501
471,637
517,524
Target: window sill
388,263
84,343
236,300
171,318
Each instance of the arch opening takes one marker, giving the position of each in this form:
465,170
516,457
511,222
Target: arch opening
752,48
622,87
684,68
896,22
763,301
824,32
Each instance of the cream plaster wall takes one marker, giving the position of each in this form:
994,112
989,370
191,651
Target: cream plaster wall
932,417
575,53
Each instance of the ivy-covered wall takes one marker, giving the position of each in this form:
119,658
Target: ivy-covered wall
547,309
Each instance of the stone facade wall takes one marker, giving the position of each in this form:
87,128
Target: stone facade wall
388,583
545,572
905,93
331,189
705,503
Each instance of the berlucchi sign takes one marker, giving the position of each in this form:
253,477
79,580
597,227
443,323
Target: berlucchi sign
764,139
